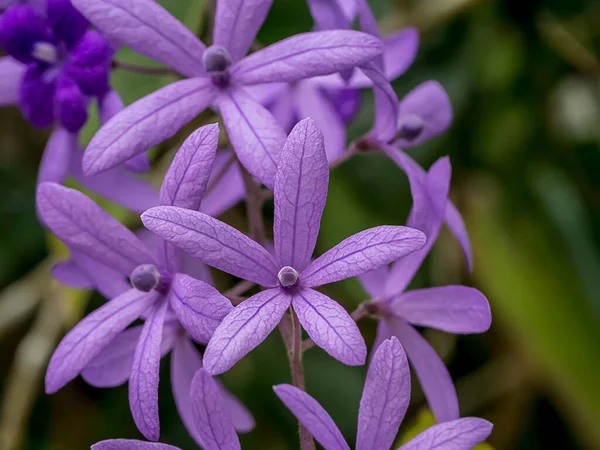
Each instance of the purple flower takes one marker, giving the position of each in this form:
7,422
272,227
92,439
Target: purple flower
385,398
454,309
165,297
216,75
289,275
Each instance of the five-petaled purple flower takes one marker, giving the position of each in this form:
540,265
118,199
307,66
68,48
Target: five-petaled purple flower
167,299
454,309
385,398
217,74
289,275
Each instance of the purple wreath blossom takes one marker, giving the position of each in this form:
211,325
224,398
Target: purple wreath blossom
289,275
215,75
384,402
166,298
454,309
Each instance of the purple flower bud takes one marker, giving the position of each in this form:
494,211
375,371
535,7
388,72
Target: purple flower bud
287,276
21,27
145,277
410,127
216,59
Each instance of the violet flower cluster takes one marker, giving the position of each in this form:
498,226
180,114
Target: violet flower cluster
285,109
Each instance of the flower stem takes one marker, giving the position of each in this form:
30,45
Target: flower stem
254,203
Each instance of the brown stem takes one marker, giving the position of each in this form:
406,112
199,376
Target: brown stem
254,202
116,64
351,151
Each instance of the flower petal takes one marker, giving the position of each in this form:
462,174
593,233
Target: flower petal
385,397
330,326
399,52
21,27
147,28
300,195
109,282
185,181
147,122
236,24
199,307
430,369
386,103
461,434
213,422
89,63
244,328
307,55
11,73
130,444
456,224
69,274
328,15
254,133
68,25
312,415
368,24
213,242
362,252
71,105
82,224
228,190
242,419
92,334
56,159
374,281
143,383
36,96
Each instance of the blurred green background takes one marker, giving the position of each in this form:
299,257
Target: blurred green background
524,79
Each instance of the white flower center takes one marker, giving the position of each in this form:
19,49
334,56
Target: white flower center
145,277
287,276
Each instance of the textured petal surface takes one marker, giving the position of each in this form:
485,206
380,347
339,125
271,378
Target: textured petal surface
213,242
362,252
185,181
228,190
244,328
312,415
11,72
236,24
81,224
385,397
386,103
307,55
430,369
454,309
199,307
461,434
330,326
92,334
143,383
108,281
60,149
213,422
69,274
300,195
147,122
147,28
256,136
129,444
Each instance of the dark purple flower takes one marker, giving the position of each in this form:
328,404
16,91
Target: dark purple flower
384,401
454,309
289,275
217,75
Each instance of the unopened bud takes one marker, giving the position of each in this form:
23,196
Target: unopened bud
287,276
145,277
410,127
216,59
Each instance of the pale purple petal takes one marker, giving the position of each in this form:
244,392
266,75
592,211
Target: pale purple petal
109,105
430,369
312,415
185,181
384,331
54,166
81,224
399,52
129,444
254,133
228,190
461,434
242,419
266,94
300,195
312,103
213,242
454,309
147,122
213,422
374,281
385,397
108,281
328,15
11,72
143,383
236,24
199,307
244,328
368,24
386,103
147,28
69,274
330,326
92,334
362,252
428,101
455,222
285,107
307,55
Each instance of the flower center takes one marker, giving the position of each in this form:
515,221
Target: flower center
287,276
410,127
45,52
216,61
145,277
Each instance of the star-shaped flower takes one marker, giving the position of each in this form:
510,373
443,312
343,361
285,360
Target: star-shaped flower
217,74
384,401
289,275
